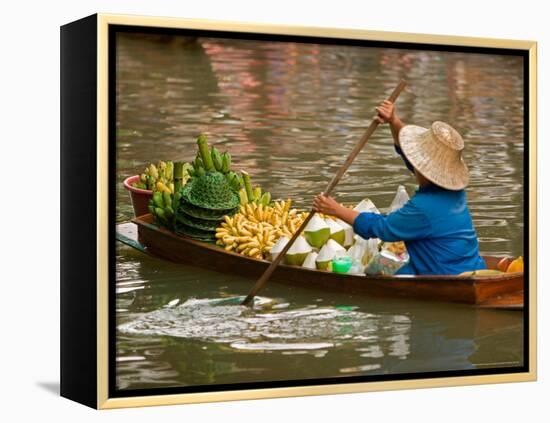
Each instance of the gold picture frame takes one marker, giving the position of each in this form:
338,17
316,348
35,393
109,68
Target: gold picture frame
102,23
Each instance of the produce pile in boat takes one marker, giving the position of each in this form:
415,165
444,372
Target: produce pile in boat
329,244
197,197
262,232
208,201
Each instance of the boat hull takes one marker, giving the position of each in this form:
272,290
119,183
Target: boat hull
477,290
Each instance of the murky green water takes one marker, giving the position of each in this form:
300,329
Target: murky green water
289,114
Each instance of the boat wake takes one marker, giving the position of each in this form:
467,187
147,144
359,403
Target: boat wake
268,326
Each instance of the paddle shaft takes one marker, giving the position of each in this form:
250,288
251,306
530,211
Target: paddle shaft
358,147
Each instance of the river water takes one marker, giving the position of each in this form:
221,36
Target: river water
289,114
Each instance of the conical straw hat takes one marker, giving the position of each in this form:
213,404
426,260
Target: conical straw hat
436,153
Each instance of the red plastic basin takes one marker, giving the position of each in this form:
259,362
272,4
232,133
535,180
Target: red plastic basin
140,197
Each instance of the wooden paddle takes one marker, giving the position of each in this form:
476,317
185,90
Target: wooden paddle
372,127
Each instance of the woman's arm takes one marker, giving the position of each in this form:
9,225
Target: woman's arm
407,223
387,114
328,205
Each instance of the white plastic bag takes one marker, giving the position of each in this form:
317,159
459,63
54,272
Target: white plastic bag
386,263
371,250
356,251
363,250
401,197
392,257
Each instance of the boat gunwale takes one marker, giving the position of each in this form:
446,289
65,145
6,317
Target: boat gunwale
472,280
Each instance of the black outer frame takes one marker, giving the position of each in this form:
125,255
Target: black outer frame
79,115
79,211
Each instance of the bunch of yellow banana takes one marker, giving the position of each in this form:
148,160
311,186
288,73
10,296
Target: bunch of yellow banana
256,228
157,178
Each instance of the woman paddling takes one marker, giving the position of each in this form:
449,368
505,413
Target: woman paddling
435,223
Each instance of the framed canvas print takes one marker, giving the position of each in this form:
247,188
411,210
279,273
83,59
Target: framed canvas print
256,211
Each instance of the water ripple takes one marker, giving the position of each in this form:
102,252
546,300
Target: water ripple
266,328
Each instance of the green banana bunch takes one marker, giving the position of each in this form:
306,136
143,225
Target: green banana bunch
198,168
265,198
216,159
226,162
234,180
161,207
249,195
257,193
210,160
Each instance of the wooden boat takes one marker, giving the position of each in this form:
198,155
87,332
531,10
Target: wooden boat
501,291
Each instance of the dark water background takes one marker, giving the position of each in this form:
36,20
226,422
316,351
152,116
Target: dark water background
289,114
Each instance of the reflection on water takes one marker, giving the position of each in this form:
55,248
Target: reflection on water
267,328
290,113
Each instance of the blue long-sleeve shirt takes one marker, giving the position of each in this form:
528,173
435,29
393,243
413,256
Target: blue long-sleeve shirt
437,229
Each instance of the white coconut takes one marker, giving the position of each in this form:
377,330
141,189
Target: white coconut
309,262
278,247
366,205
337,232
330,251
337,248
324,259
348,229
317,232
298,252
